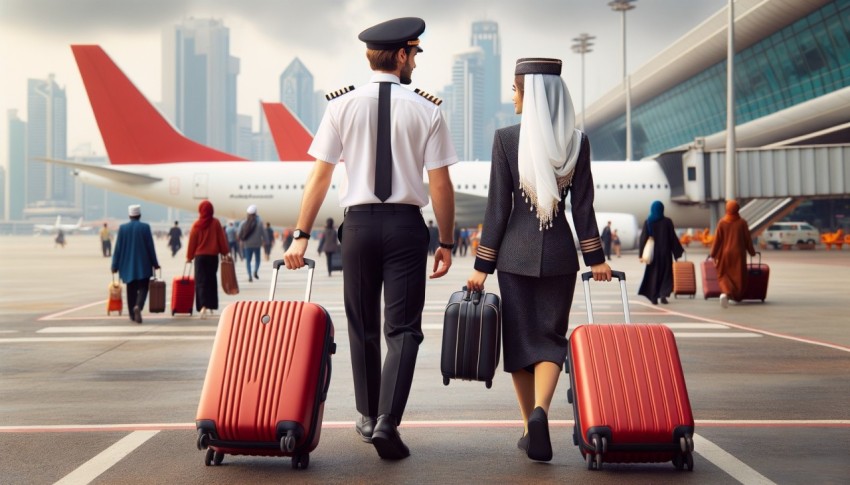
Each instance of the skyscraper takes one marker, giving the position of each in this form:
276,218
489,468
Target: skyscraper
199,82
17,175
466,118
485,34
47,185
296,92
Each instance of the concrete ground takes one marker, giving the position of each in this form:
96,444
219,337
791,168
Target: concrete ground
91,398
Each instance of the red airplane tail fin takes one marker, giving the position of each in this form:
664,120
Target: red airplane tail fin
133,131
291,138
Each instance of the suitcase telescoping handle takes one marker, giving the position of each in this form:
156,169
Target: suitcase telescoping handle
620,275
311,266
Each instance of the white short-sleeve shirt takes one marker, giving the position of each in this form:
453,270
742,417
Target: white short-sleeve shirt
419,136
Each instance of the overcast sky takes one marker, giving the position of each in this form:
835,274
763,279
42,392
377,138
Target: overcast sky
266,35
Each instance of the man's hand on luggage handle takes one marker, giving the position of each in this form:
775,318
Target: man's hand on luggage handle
601,272
294,256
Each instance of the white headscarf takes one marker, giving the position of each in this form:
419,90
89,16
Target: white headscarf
549,144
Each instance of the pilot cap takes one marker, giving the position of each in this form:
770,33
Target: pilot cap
134,210
394,34
252,209
538,65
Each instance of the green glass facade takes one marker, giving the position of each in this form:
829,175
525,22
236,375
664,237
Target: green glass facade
802,61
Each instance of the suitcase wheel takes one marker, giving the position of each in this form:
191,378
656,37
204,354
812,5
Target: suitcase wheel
287,443
570,395
203,441
684,460
489,384
213,457
301,462
445,381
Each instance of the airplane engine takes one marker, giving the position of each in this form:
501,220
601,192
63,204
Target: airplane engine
625,224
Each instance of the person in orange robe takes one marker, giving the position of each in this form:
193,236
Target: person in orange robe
731,243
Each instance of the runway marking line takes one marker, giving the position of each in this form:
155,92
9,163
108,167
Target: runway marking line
736,468
93,468
508,423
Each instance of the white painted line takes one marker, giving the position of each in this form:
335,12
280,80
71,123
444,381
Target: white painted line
679,335
695,326
128,338
65,312
728,463
9,331
93,468
131,328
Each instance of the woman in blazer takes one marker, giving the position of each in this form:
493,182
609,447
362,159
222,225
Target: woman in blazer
527,238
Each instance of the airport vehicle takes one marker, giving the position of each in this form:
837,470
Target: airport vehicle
57,226
781,234
149,159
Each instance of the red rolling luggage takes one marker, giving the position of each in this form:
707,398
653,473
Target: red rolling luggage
684,278
114,301
472,330
268,378
710,284
628,392
183,292
757,277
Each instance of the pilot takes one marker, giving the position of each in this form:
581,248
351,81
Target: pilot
386,134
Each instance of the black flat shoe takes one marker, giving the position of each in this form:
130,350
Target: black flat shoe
664,300
386,439
364,427
539,444
523,443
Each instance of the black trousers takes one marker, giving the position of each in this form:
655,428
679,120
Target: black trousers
137,293
384,249
206,282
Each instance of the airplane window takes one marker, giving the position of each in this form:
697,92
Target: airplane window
264,187
606,186
643,186
473,186
302,186
665,186
466,186
240,187
256,187
287,186
621,186
628,186
333,186
278,186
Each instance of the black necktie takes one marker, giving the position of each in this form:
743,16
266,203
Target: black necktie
384,153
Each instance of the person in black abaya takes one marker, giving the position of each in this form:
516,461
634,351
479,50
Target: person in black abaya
657,281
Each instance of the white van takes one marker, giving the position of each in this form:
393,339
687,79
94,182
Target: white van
782,233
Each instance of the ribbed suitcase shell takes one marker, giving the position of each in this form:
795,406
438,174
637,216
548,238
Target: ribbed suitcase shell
471,337
182,294
156,296
229,283
269,365
710,284
684,278
628,385
758,275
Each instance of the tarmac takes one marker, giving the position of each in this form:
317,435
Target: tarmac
91,398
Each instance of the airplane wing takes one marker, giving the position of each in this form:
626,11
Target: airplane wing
111,173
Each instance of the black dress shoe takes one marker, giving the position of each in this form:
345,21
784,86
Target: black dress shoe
539,444
386,439
364,427
664,300
523,443
137,314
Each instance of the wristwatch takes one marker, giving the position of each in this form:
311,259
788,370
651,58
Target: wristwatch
299,234
446,246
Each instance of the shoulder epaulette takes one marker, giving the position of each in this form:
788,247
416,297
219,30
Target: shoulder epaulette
429,97
338,93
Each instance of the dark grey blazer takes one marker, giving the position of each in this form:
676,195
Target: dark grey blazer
512,241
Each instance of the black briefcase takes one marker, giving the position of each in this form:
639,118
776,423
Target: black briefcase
472,330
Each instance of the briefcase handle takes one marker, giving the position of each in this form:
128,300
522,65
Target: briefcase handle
311,267
620,275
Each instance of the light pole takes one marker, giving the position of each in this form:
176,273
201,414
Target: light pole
624,6
582,45
731,156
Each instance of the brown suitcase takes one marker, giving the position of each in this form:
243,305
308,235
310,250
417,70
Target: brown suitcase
684,278
228,276
710,284
757,276
156,295
114,301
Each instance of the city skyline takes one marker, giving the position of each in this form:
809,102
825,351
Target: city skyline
132,36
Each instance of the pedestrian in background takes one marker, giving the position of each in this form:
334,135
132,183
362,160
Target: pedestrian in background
232,241
729,250
269,242
433,238
389,135
106,241
175,234
252,235
330,243
527,238
60,239
657,281
207,241
134,259
615,242
606,240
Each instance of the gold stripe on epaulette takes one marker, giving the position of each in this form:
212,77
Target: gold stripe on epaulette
338,93
429,97
486,253
589,245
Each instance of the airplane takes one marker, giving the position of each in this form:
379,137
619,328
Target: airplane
66,228
151,160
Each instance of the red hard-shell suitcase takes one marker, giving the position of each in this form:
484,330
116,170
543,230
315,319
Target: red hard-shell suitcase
114,301
684,278
710,284
183,292
472,329
628,392
268,378
758,275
